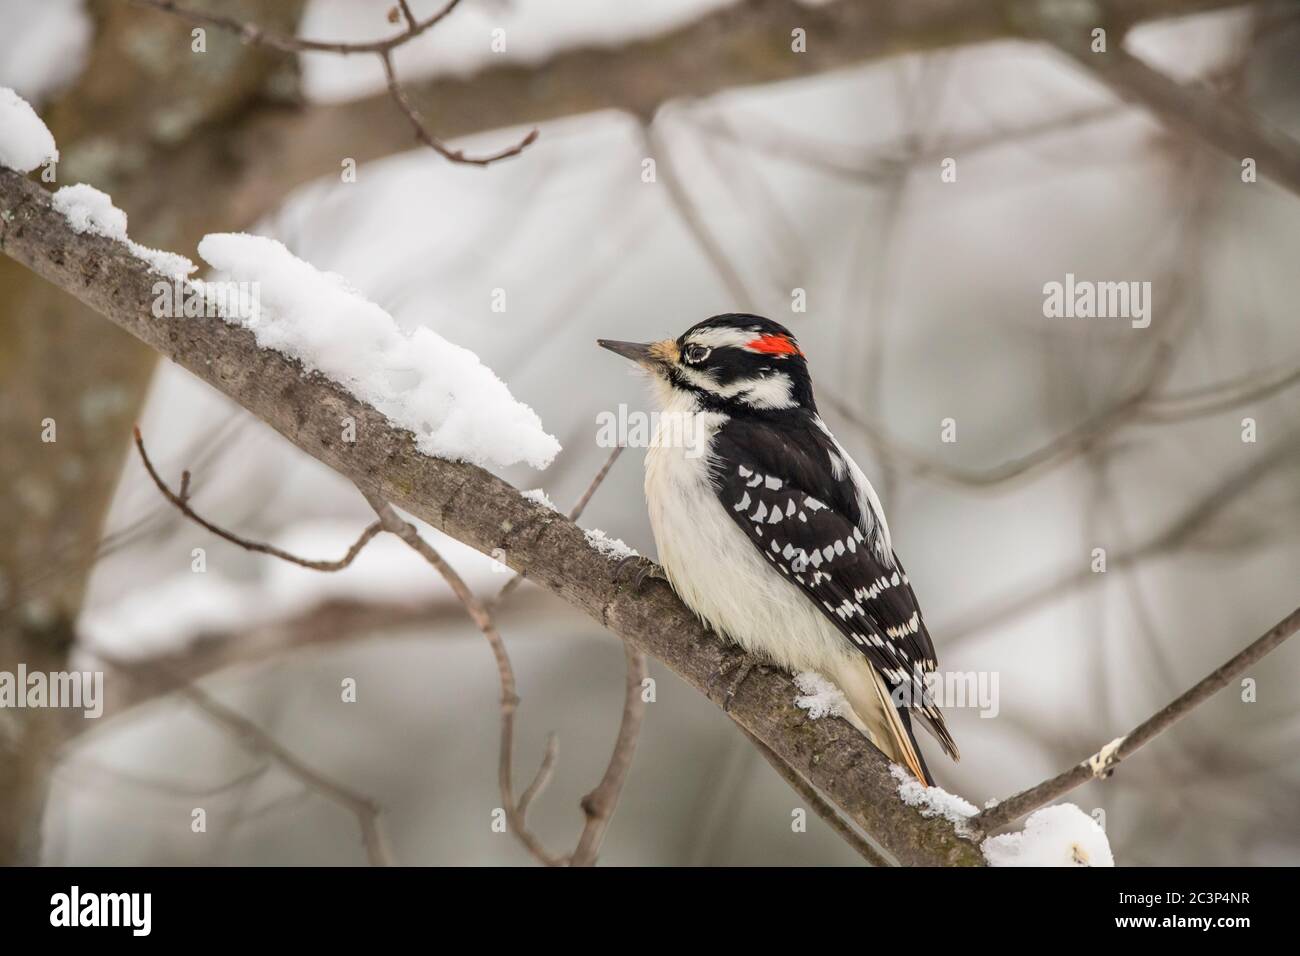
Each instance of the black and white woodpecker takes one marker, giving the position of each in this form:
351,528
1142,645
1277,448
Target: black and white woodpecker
770,532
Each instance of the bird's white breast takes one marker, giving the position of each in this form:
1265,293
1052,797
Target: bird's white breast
713,565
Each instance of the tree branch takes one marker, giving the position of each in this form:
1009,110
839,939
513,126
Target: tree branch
739,45
181,500
574,514
257,741
1103,763
600,803
1198,113
516,809
383,49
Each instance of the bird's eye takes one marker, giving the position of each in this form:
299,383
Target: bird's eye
696,353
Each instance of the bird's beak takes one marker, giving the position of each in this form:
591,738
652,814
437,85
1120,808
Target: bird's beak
636,351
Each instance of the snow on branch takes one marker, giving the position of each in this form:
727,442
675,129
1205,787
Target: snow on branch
613,548
90,211
819,696
454,405
1062,835
27,142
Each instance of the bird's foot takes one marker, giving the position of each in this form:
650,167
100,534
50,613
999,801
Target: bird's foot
734,671
640,569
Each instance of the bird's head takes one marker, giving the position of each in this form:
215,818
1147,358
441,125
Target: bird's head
733,362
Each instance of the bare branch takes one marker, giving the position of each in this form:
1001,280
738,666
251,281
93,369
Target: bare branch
176,789
1197,113
482,617
599,805
383,49
251,33
405,8
181,501
257,741
389,521
691,217
1219,396
1177,533
597,480
428,139
735,45
1103,763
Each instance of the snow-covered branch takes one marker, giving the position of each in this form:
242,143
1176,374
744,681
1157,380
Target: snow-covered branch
480,509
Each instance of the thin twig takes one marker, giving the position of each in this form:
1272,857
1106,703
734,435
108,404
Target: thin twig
482,618
1094,429
1194,110
1054,452
1176,534
1104,762
423,134
181,501
681,201
599,805
1212,400
581,504
174,789
411,22
257,741
383,49
544,773
285,43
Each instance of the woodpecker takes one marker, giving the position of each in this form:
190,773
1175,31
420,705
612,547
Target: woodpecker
770,532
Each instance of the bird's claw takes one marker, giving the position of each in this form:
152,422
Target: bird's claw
642,569
734,671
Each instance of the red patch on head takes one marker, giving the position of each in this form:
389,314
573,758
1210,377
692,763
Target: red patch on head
773,345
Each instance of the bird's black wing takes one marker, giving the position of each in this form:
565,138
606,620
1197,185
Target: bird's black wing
779,483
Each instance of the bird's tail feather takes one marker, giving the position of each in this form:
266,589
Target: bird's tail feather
935,725
879,719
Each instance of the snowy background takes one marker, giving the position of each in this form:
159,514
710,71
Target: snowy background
924,303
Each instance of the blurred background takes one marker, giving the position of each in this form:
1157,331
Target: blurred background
779,179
